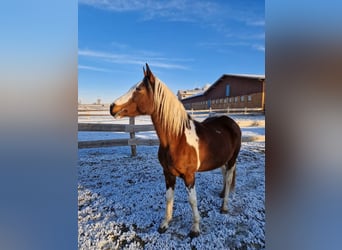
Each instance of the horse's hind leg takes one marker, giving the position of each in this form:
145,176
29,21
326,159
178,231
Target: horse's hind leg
170,181
229,182
224,171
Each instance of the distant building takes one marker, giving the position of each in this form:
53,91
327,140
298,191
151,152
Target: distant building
191,92
230,91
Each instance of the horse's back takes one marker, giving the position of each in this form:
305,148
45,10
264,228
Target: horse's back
224,122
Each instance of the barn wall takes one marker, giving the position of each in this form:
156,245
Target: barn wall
243,92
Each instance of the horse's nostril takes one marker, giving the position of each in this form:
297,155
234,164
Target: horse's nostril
111,109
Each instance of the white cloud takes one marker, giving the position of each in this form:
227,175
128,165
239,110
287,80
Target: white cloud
138,58
259,47
172,10
93,68
256,23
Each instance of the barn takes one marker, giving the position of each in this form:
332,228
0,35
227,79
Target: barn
230,91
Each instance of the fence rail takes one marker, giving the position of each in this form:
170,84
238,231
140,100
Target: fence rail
131,128
118,142
105,111
226,110
127,128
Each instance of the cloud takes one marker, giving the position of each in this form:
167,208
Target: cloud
259,47
219,16
172,10
138,58
256,23
93,68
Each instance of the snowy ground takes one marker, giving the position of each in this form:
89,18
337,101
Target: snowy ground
121,199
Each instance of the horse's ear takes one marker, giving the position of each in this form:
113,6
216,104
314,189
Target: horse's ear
144,71
148,68
149,74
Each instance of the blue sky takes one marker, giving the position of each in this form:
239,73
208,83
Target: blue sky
187,43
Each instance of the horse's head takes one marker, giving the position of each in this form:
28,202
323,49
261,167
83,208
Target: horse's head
138,100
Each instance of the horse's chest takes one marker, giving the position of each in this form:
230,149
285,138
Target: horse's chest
179,160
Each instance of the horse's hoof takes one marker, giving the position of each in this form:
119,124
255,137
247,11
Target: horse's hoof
224,211
162,230
194,234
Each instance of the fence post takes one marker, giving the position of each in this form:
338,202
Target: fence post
132,136
245,110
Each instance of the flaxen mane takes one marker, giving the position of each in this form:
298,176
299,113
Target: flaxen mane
170,109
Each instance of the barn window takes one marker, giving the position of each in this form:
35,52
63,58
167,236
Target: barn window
242,98
249,98
236,99
227,90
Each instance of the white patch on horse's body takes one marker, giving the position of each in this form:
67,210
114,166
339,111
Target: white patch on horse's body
193,140
195,214
126,97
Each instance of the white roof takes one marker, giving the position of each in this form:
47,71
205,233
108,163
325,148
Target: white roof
246,75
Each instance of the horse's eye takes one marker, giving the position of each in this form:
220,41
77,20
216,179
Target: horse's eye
137,88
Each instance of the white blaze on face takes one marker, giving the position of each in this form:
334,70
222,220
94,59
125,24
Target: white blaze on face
193,140
126,97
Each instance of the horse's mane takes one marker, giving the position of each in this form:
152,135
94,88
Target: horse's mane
173,116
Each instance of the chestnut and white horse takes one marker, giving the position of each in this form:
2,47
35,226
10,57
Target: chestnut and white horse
186,146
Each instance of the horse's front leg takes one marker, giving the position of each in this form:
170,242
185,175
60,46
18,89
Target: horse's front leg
170,181
189,180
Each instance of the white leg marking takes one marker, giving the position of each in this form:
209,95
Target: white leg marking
193,140
125,98
169,208
195,214
228,180
223,169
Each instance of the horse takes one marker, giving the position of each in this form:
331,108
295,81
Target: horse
186,145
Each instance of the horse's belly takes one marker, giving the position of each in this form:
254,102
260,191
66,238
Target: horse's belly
210,165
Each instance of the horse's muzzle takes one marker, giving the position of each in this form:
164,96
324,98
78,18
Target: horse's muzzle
116,111
111,109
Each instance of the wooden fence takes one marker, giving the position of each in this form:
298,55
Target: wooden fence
132,129
103,111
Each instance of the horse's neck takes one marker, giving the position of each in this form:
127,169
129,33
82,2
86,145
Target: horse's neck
169,117
164,134
167,133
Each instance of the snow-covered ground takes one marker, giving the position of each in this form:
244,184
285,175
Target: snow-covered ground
121,199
